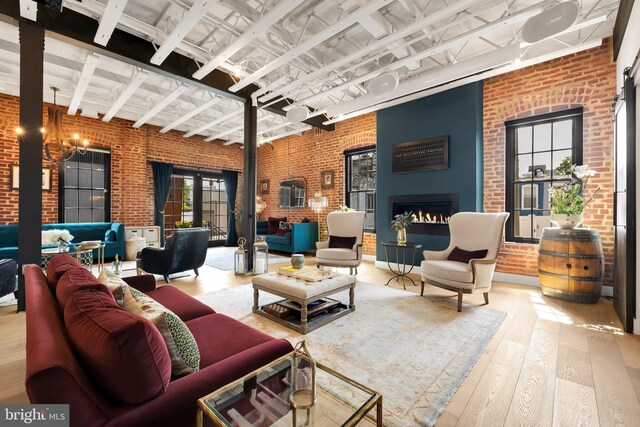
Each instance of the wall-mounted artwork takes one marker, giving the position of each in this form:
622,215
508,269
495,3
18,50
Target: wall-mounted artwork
327,179
264,186
15,178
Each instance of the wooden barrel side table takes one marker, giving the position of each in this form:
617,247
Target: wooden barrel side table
571,264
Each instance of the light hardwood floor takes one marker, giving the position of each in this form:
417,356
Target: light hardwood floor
551,363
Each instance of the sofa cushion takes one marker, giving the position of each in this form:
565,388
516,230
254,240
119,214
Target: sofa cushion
235,335
337,254
183,348
74,280
341,242
274,224
9,252
450,270
110,236
57,266
274,239
123,353
184,306
460,255
282,232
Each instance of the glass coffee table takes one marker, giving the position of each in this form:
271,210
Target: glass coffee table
261,399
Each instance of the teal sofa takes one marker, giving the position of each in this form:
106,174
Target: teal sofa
114,243
302,237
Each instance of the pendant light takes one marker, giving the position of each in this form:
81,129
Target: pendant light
56,146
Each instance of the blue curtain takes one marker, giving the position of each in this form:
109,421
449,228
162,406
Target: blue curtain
231,184
161,183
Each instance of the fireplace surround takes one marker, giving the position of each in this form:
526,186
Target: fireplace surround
431,211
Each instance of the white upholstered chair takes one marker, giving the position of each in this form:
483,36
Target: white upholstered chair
342,224
470,231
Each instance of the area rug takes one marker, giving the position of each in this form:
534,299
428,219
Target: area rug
222,258
414,350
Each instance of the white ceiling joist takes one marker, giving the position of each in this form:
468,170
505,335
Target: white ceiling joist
477,77
217,121
190,114
439,48
443,14
126,94
109,20
320,37
258,28
298,131
83,82
480,63
160,105
181,30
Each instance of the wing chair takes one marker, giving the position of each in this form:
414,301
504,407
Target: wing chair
470,231
186,249
347,225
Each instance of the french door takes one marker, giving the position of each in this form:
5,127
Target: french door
197,199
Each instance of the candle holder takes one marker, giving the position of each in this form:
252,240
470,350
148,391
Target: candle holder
240,258
260,256
303,382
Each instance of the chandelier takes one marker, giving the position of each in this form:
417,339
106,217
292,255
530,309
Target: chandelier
56,146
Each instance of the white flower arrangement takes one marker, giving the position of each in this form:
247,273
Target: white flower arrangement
54,237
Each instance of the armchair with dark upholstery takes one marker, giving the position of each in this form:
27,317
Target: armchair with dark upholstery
186,249
8,271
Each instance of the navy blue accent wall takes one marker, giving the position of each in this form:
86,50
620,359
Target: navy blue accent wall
457,113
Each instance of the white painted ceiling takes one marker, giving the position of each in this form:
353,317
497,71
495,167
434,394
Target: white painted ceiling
318,53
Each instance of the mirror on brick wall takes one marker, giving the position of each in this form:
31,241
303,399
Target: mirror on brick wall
293,193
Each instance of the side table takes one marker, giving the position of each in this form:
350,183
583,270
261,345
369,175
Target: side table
401,271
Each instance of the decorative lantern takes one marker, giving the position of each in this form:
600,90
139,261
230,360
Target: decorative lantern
260,256
240,258
303,382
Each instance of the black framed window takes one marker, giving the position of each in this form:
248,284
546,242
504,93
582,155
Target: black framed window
536,146
214,207
85,188
360,180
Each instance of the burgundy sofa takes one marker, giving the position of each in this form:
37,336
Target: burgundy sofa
54,374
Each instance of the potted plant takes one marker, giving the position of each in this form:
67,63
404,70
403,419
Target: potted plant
568,199
400,224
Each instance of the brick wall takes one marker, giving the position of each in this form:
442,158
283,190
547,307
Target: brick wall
131,176
584,79
305,157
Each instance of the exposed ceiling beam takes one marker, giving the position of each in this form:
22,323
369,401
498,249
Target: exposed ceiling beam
126,94
78,29
318,38
217,121
109,20
282,135
160,106
231,130
443,14
177,122
181,30
89,67
477,64
257,29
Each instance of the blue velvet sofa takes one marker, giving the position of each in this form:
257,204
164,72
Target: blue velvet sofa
114,244
302,237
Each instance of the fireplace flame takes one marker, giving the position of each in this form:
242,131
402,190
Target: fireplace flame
427,218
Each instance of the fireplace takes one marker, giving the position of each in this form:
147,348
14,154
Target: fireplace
431,212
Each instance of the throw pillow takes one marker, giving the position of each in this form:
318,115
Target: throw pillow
124,354
282,232
460,255
183,348
285,225
341,242
115,284
74,280
305,219
110,236
273,224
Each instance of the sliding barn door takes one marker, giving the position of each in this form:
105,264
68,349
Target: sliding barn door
625,205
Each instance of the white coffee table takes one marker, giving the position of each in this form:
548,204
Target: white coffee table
299,294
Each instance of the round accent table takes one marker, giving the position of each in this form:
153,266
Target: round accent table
402,269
